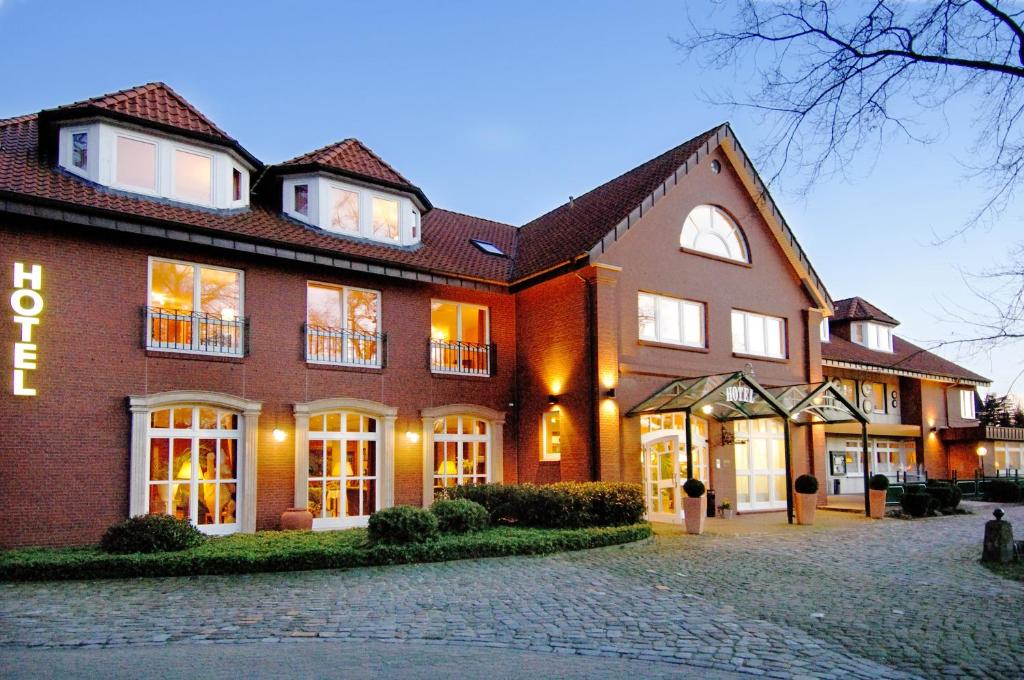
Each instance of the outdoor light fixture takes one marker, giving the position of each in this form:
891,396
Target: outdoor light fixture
412,436
982,451
707,409
552,400
279,435
610,393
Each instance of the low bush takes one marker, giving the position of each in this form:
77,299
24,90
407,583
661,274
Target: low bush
1004,491
402,524
459,515
563,505
806,484
149,534
917,503
299,550
878,483
947,497
694,488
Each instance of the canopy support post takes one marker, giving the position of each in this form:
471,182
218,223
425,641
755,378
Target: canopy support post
789,469
689,446
864,449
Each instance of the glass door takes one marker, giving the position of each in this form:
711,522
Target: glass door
662,478
760,464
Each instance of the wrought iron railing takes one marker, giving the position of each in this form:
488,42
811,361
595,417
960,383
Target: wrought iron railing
344,347
462,358
188,331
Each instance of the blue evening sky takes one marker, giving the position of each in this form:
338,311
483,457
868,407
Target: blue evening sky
503,110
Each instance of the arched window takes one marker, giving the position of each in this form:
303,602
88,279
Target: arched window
342,482
708,229
462,444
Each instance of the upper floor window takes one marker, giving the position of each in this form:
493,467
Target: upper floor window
670,320
194,308
459,338
193,176
343,325
823,329
875,394
708,229
80,150
872,335
136,163
848,387
967,405
385,219
758,334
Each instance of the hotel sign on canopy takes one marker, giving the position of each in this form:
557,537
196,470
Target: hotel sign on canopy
27,304
740,394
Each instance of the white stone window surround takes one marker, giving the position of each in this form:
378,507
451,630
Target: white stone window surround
495,426
141,407
385,415
102,162
319,207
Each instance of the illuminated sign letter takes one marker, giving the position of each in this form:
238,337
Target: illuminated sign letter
27,303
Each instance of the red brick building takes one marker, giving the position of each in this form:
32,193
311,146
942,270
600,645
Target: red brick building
198,333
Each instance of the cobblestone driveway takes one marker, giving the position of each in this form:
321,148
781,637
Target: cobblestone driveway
868,600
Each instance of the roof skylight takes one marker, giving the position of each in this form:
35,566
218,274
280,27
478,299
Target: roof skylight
487,247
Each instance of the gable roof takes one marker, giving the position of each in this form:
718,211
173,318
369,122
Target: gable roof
858,309
154,105
906,357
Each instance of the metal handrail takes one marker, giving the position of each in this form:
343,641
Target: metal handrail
344,347
461,358
191,331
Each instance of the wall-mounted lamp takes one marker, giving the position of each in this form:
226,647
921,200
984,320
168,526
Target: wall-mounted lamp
610,393
413,437
552,400
279,435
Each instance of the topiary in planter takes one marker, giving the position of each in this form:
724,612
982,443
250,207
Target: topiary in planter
878,483
402,524
694,488
460,516
1004,491
151,533
806,484
917,503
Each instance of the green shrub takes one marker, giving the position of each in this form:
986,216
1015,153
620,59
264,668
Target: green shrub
563,505
878,483
917,503
1004,491
806,484
459,515
947,497
694,488
402,524
151,533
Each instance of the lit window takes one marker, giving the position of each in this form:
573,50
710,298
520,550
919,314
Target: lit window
823,330
873,336
193,466
342,325
193,176
967,405
848,387
136,163
551,438
670,320
708,229
487,247
875,392
1009,457
195,308
344,211
385,219
459,337
341,485
758,335
461,451
301,199
80,149
236,184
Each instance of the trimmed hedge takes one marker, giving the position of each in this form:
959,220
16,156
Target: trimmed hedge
917,503
947,497
402,524
458,516
151,533
806,484
1004,491
878,482
564,505
301,550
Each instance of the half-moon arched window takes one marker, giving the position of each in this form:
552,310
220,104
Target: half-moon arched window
708,229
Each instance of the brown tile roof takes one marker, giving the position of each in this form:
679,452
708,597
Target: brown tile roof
445,246
906,356
857,309
575,227
350,155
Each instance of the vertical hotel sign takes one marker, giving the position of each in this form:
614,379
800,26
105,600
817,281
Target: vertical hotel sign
27,305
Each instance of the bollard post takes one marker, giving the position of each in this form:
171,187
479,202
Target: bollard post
998,543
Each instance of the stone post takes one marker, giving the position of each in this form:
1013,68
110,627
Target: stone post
998,546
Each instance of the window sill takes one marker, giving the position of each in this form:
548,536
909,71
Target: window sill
719,258
357,368
550,461
758,357
669,345
198,356
455,374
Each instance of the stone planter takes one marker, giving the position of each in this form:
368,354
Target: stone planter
727,513
805,506
296,519
694,512
876,503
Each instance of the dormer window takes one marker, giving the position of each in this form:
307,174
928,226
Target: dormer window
136,161
385,218
344,211
872,335
301,199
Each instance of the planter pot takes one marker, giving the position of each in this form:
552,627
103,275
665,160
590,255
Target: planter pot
805,505
876,503
694,512
299,519
727,513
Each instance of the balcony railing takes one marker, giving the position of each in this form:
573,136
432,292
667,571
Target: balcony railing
462,358
343,347
187,331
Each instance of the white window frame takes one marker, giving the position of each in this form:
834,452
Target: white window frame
157,170
824,332
750,318
461,439
196,307
967,405
545,434
716,211
398,213
1008,457
248,439
682,304
869,334
345,290
495,430
458,339
175,149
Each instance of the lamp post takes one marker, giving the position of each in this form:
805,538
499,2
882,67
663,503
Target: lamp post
982,451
